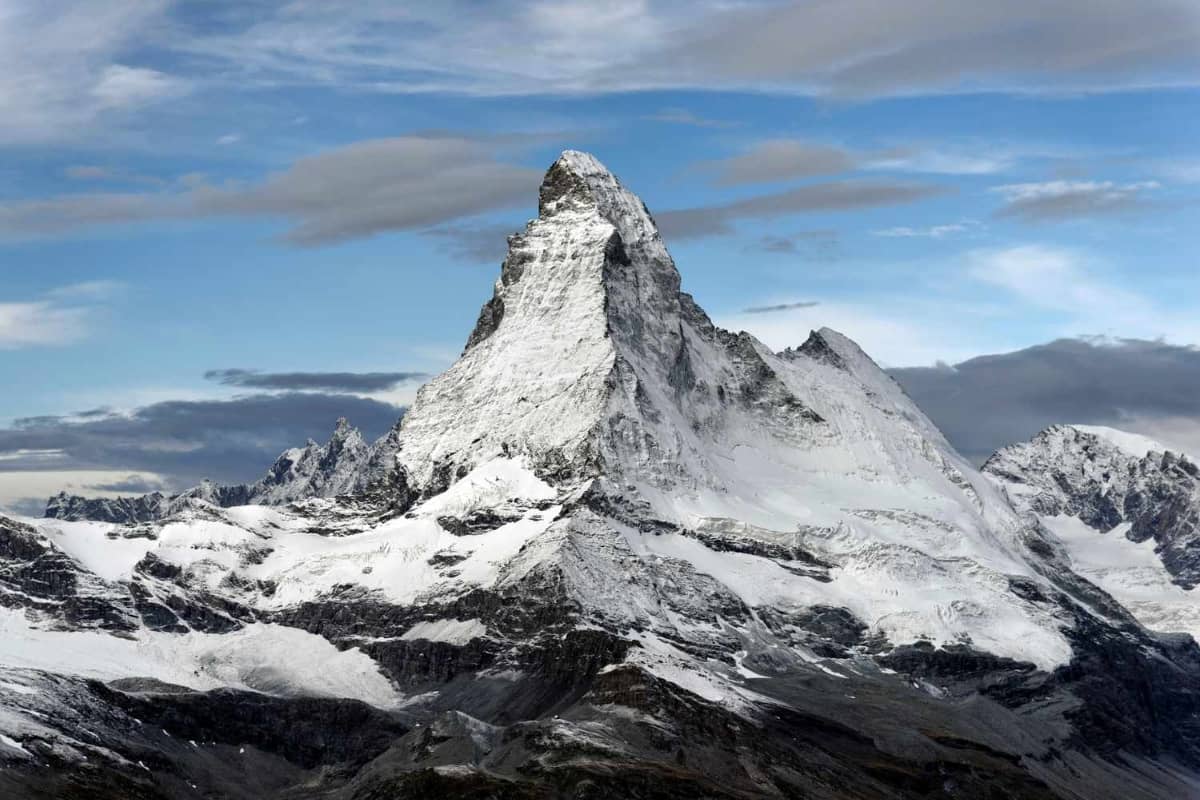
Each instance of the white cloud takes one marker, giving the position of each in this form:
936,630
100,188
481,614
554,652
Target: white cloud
86,290
939,160
1180,170
65,67
932,232
852,47
39,323
1054,278
682,116
61,316
1058,200
62,66
127,87
1072,285
889,335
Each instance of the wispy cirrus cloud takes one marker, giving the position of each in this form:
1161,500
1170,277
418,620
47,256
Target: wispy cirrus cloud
776,160
479,244
853,48
1055,278
68,67
845,195
359,190
60,316
97,173
682,116
314,381
873,48
1053,201
978,159
1079,290
930,232
780,307
821,244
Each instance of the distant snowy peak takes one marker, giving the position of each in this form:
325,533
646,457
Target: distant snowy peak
122,510
340,466
1109,478
315,470
1132,443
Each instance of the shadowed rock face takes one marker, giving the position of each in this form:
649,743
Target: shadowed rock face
614,551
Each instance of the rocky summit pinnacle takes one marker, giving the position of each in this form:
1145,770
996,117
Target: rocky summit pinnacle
617,551
586,310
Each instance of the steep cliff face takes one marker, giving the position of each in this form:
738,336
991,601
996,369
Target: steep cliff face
613,551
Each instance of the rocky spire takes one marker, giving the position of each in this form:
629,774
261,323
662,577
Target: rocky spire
586,289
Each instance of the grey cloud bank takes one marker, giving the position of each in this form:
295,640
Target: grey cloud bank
987,402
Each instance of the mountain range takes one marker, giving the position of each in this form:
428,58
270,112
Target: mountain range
617,551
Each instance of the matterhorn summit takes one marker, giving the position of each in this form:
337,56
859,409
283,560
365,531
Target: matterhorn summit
613,551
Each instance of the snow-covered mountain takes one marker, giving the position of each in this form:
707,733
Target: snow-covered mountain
613,551
1125,509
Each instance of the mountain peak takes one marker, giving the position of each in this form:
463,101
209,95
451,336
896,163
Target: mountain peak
567,181
579,182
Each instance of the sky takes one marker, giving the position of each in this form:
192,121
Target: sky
225,224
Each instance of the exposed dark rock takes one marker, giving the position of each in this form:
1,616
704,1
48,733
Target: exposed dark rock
476,522
36,575
1066,470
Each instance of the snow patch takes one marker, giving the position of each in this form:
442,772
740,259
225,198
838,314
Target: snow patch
268,658
13,744
97,546
1131,572
451,631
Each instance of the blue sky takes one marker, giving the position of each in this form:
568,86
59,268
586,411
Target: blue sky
292,187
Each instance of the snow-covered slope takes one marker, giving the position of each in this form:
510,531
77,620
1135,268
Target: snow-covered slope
613,533
590,362
1126,510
